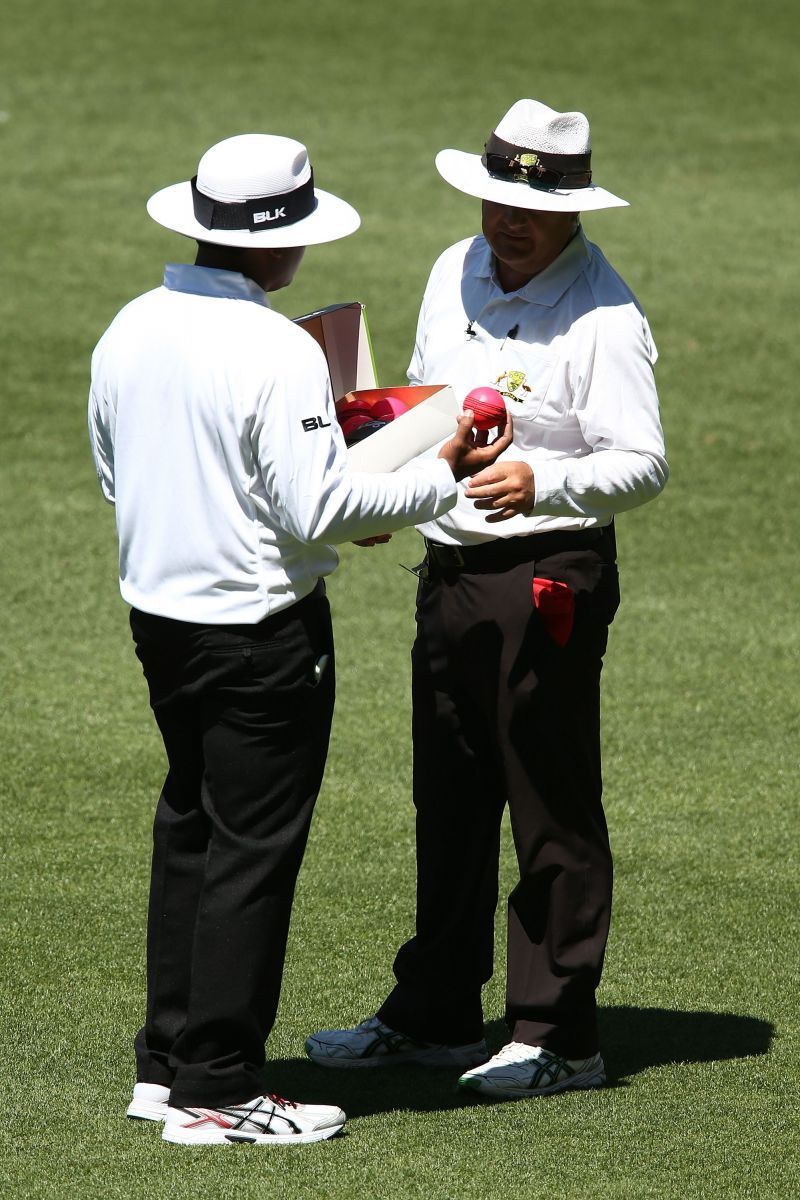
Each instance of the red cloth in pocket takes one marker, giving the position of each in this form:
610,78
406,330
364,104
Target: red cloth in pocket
555,603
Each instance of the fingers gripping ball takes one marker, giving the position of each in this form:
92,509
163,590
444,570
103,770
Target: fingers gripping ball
488,406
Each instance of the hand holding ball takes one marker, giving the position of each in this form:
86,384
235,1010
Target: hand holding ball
488,406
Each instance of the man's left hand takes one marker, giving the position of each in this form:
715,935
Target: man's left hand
507,488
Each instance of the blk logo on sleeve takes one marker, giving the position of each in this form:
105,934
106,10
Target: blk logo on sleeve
311,423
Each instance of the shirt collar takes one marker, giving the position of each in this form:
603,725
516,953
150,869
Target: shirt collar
210,281
550,284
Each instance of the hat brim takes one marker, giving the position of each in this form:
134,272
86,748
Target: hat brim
331,219
467,173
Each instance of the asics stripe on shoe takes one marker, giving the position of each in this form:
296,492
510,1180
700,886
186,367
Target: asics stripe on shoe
519,1070
373,1044
264,1121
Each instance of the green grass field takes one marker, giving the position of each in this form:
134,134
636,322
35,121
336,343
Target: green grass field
693,111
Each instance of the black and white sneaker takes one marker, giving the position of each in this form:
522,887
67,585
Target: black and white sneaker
373,1044
264,1121
149,1102
519,1070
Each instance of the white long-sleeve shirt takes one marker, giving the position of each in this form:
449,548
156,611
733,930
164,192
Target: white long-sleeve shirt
574,351
213,432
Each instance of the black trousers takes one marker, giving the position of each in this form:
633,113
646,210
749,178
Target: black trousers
505,714
245,714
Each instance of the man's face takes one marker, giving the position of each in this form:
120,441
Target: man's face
524,241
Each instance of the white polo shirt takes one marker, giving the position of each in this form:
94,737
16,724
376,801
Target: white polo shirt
213,432
575,351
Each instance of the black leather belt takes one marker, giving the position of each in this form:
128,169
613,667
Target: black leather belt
502,553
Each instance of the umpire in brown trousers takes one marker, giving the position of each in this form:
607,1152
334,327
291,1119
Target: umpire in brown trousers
516,594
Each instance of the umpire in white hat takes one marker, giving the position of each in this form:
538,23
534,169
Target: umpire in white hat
213,431
512,622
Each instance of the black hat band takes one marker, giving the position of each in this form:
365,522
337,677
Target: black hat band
258,214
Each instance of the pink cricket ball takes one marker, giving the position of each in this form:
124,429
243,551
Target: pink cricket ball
488,406
388,407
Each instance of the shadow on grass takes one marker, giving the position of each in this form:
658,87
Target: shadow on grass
633,1040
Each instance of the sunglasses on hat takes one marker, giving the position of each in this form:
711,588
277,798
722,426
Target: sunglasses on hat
529,168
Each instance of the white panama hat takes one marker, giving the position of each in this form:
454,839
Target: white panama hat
256,190
536,158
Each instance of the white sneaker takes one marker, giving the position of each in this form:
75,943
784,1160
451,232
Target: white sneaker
149,1102
520,1070
373,1044
265,1121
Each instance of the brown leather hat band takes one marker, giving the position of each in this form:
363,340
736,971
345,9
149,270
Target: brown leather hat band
520,164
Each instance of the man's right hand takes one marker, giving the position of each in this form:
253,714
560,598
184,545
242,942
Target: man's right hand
463,454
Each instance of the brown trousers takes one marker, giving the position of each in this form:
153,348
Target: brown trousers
504,714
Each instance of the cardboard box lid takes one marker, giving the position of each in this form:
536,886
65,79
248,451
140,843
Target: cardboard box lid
342,333
432,416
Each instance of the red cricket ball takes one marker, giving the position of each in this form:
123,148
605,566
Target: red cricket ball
353,420
388,407
488,406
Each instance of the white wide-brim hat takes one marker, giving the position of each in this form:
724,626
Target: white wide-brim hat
256,190
536,158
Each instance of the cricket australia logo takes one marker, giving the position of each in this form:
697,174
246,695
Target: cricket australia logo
515,386
528,163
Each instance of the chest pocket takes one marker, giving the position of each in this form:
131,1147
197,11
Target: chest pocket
524,380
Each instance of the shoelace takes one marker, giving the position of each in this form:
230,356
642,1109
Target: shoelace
368,1025
514,1050
280,1101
